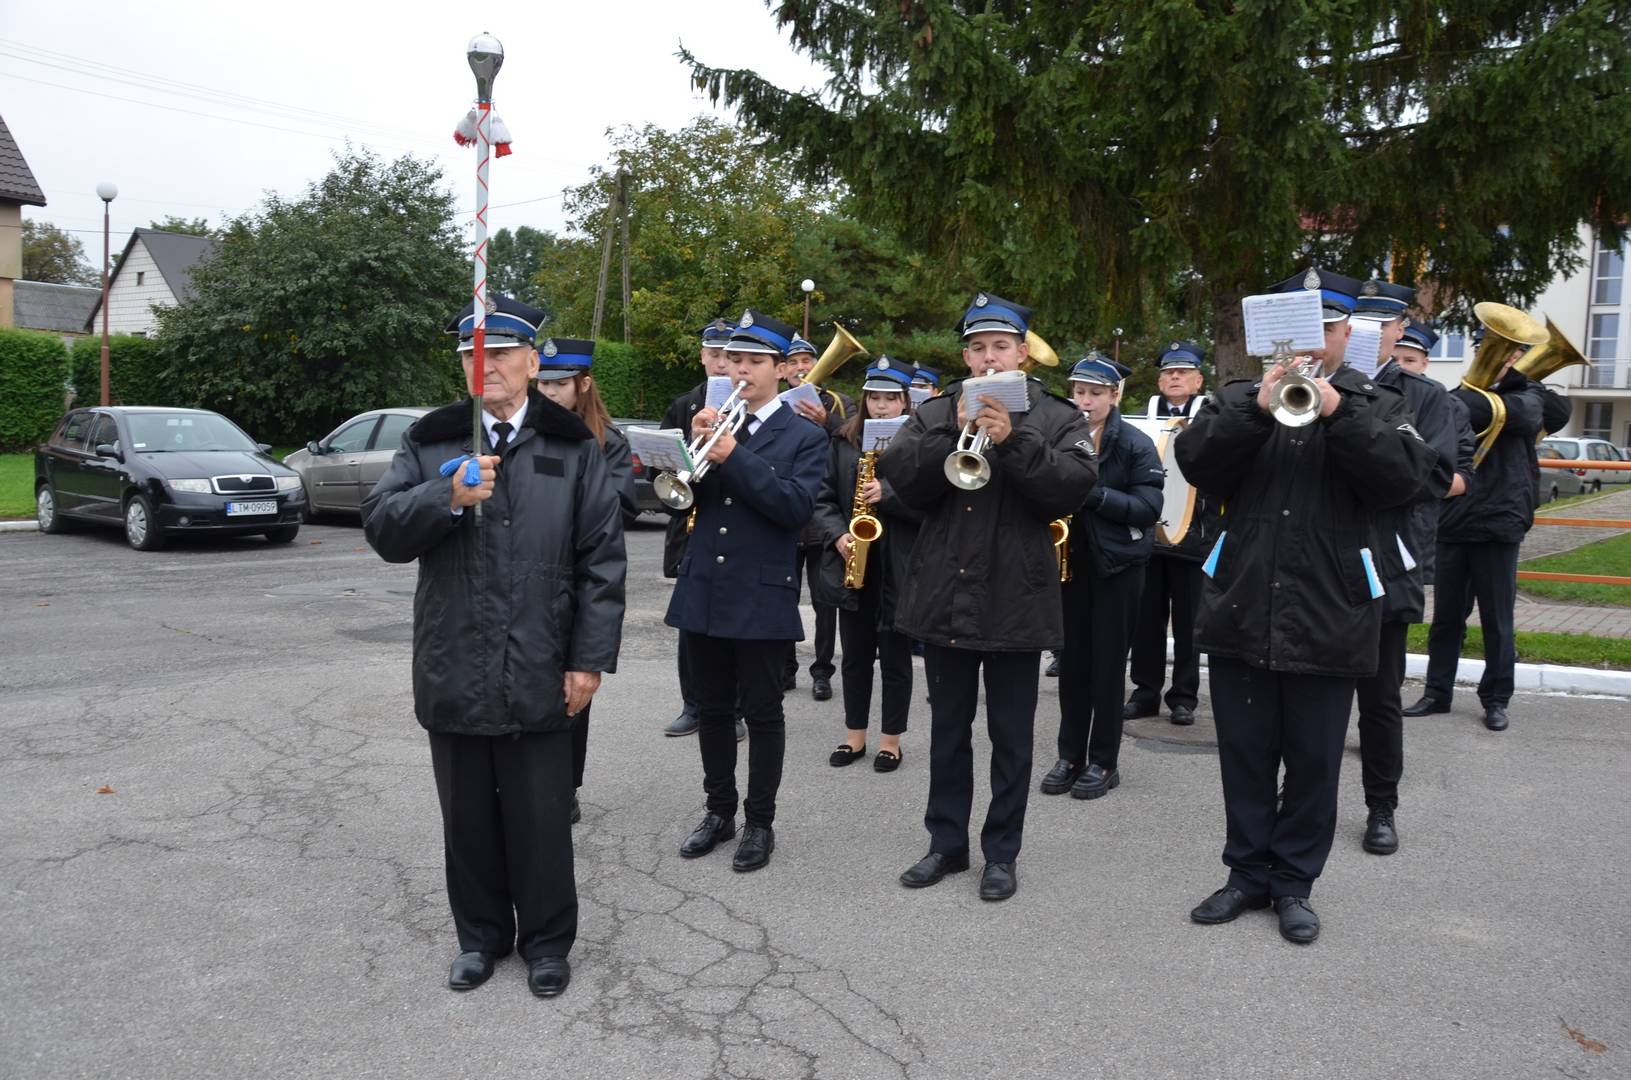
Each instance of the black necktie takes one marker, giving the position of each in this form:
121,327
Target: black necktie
501,436
745,436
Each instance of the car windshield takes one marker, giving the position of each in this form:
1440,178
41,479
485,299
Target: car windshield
157,432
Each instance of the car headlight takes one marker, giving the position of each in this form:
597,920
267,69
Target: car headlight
195,487
288,483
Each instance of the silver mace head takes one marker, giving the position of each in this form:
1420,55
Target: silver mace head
486,56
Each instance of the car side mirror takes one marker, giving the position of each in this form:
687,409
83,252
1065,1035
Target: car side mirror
108,450
264,447
314,449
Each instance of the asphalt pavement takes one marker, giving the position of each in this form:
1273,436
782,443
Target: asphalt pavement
220,857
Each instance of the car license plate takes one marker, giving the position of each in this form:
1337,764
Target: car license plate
240,509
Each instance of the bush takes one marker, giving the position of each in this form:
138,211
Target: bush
136,371
33,381
635,384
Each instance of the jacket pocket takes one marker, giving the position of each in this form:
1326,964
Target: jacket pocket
1361,581
685,565
780,577
1214,559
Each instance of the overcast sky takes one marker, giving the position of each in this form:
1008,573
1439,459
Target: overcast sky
197,109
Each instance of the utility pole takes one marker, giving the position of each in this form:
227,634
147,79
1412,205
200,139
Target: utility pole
616,212
623,210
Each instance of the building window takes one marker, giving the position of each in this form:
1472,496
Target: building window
1451,346
1609,274
1601,350
141,275
1599,420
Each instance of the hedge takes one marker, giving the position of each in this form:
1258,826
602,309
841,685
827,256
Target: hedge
33,387
135,371
636,385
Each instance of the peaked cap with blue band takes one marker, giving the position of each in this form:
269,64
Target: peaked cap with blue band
761,333
716,334
890,375
1098,368
1338,292
799,345
988,312
560,357
1182,354
1418,335
1384,300
926,375
509,323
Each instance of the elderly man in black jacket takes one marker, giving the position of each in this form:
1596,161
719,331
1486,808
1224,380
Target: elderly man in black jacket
984,587
1291,610
516,615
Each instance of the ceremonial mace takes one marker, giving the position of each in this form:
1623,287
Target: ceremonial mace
486,56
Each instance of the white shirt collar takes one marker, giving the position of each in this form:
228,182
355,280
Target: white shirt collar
766,411
488,421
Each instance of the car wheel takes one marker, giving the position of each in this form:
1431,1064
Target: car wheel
45,510
283,533
142,525
1596,487
1553,496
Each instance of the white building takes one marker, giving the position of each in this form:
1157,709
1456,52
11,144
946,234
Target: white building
155,270
1593,309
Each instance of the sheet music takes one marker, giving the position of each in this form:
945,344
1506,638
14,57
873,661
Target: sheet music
1007,387
664,449
1282,316
876,434
1364,347
801,392
719,390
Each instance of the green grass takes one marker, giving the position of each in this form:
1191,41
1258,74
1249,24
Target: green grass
1611,556
1571,650
16,486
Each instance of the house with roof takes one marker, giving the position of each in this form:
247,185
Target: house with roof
154,270
18,189
57,309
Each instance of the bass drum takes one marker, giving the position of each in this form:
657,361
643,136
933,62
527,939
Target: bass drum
1177,494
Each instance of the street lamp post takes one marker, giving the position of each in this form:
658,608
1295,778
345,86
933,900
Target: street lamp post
809,287
107,193
1118,344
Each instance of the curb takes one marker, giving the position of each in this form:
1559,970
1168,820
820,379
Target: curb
19,526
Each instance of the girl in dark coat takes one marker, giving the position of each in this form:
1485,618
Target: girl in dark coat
866,616
1111,539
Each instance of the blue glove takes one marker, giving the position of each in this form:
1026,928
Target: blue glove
472,470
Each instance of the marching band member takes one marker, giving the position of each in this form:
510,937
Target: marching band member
831,414
1172,580
982,588
563,377
1111,537
500,671
866,615
927,378
1289,617
678,416
736,600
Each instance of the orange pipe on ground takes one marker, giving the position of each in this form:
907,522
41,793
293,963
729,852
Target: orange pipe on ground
1584,579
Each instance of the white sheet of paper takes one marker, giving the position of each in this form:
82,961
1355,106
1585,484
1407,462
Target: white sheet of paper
876,434
920,394
663,449
719,390
1293,316
1364,346
801,392
1007,387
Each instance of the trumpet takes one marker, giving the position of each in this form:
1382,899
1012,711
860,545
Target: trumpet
1295,400
674,490
1059,530
864,526
966,466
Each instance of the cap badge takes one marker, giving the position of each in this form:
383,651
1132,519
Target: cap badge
747,318
883,363
981,300
1370,288
1175,346
491,305
549,348
1311,280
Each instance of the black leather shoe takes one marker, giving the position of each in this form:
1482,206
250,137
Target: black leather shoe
758,841
821,689
1298,923
1225,905
470,970
998,881
1495,717
706,836
1380,836
1183,715
1053,668
1095,782
577,811
845,754
1426,705
887,760
741,728
1060,777
931,868
548,975
683,724
1133,710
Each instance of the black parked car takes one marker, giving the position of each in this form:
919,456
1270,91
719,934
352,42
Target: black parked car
163,471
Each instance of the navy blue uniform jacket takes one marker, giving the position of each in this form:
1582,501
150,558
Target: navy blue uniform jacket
736,579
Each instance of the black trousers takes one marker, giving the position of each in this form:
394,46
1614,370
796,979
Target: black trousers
1170,584
1099,617
864,642
507,841
725,671
580,746
1010,713
1462,572
687,695
1265,718
826,619
1381,723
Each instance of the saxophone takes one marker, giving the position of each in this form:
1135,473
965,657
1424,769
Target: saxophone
863,526
1059,530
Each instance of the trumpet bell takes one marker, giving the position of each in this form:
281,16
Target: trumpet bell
673,492
967,470
1295,401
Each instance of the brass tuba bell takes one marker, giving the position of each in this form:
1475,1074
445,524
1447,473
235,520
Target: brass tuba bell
839,351
1550,356
1040,353
1506,330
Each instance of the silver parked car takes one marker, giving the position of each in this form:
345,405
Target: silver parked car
1557,482
343,466
1582,449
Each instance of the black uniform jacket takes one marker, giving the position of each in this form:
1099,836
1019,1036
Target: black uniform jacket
888,559
620,463
504,608
678,415
1204,519
839,409
1291,584
1405,534
1501,505
736,577
1115,528
982,574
